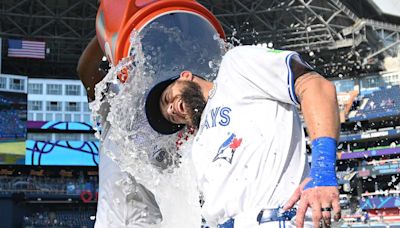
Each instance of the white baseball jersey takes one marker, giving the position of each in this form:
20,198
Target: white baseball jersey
249,152
122,201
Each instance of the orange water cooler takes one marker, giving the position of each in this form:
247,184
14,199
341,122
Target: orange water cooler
176,34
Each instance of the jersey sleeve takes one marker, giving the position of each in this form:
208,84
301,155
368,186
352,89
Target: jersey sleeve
272,72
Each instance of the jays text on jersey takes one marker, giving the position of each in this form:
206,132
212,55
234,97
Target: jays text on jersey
249,152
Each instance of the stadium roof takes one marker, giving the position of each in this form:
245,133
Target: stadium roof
340,37
389,7
380,10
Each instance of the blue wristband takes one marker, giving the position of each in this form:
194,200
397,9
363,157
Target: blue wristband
323,164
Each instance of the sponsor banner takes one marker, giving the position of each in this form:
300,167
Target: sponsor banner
375,170
59,125
368,153
354,137
374,134
379,202
65,153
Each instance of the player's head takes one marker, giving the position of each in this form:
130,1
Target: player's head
174,103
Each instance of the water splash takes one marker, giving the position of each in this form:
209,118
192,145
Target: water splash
172,180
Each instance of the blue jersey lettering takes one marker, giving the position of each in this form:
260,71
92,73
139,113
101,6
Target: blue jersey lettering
206,124
225,119
214,113
219,116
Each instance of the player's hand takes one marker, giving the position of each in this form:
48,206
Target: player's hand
321,199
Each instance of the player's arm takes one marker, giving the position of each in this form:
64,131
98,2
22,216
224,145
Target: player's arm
88,67
319,106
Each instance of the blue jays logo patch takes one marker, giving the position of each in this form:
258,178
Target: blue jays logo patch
228,148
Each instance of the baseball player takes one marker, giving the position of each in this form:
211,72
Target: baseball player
122,201
249,148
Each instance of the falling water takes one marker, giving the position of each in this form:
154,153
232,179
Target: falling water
172,181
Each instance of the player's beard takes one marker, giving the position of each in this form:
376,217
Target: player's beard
194,102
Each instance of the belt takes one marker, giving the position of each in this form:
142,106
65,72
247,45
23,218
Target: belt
267,215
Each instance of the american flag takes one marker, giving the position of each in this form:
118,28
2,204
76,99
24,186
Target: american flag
26,49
